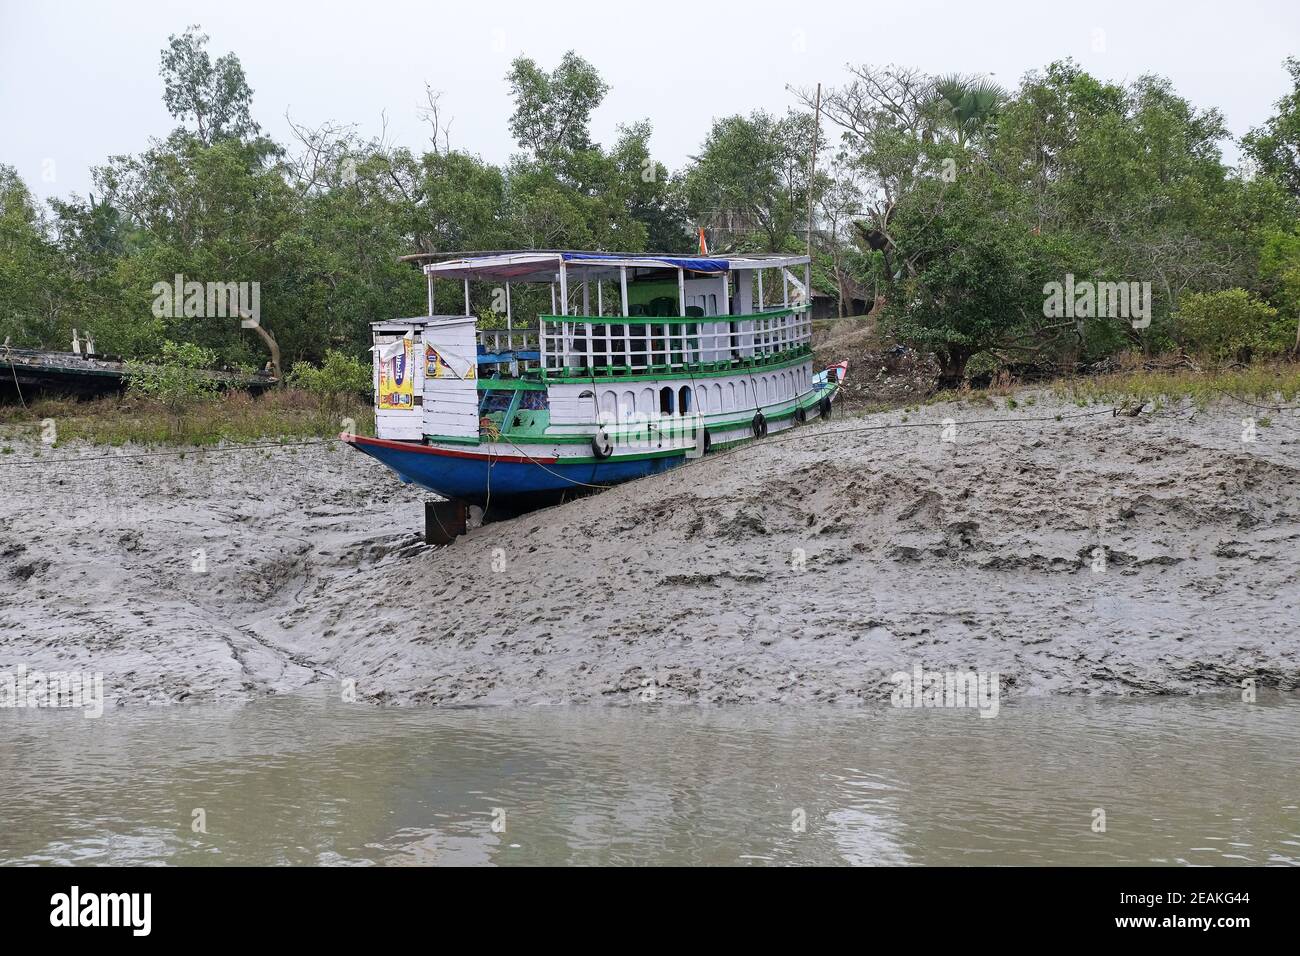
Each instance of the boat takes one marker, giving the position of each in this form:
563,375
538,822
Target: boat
634,364
31,373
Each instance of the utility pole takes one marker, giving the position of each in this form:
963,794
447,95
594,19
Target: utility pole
812,169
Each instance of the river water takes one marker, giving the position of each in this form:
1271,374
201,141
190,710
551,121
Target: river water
305,780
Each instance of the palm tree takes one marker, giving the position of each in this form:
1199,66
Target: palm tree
965,105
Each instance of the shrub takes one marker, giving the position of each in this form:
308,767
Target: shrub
177,379
340,376
1230,324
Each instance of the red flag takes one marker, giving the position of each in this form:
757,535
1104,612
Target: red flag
704,247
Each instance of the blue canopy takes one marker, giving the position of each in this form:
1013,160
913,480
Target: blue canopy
672,262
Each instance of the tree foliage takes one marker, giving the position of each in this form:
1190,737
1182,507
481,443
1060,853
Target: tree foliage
1275,146
948,199
751,177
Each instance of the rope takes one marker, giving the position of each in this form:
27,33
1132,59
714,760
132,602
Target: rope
9,355
794,436
165,454
547,470
972,421
1238,398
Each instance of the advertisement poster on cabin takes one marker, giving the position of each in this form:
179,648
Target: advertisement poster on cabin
396,383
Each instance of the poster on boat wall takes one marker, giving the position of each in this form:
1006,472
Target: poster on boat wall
441,364
396,379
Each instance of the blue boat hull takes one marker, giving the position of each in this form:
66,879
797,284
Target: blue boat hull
511,481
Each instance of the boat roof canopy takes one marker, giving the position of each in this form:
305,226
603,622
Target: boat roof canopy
544,266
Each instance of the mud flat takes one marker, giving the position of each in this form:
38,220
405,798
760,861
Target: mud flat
1068,549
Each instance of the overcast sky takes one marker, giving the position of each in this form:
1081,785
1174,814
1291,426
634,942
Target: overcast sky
79,80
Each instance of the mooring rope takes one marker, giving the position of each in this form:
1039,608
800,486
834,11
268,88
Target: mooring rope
795,435
192,450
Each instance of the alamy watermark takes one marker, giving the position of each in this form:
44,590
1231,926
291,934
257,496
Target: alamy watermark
208,300
75,908
974,690
1098,300
25,688
627,431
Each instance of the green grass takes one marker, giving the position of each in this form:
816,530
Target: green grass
233,417
1277,383
1265,383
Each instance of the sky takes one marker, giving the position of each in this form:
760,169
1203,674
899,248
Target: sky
79,80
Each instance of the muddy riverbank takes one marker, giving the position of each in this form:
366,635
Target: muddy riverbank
1068,549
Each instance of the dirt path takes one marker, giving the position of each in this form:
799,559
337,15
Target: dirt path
804,569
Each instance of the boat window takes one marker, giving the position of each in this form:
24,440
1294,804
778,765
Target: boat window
498,400
534,401
684,402
666,400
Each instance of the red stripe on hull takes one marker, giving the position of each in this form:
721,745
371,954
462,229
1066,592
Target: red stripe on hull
423,449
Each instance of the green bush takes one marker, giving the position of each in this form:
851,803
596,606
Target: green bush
340,377
1230,324
178,378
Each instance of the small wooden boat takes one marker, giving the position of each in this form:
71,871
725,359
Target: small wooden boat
643,362
28,373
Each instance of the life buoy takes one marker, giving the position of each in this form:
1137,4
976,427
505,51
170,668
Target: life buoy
759,425
825,406
601,445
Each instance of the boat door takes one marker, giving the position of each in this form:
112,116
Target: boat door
450,368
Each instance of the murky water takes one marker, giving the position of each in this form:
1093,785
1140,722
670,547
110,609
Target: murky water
304,780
